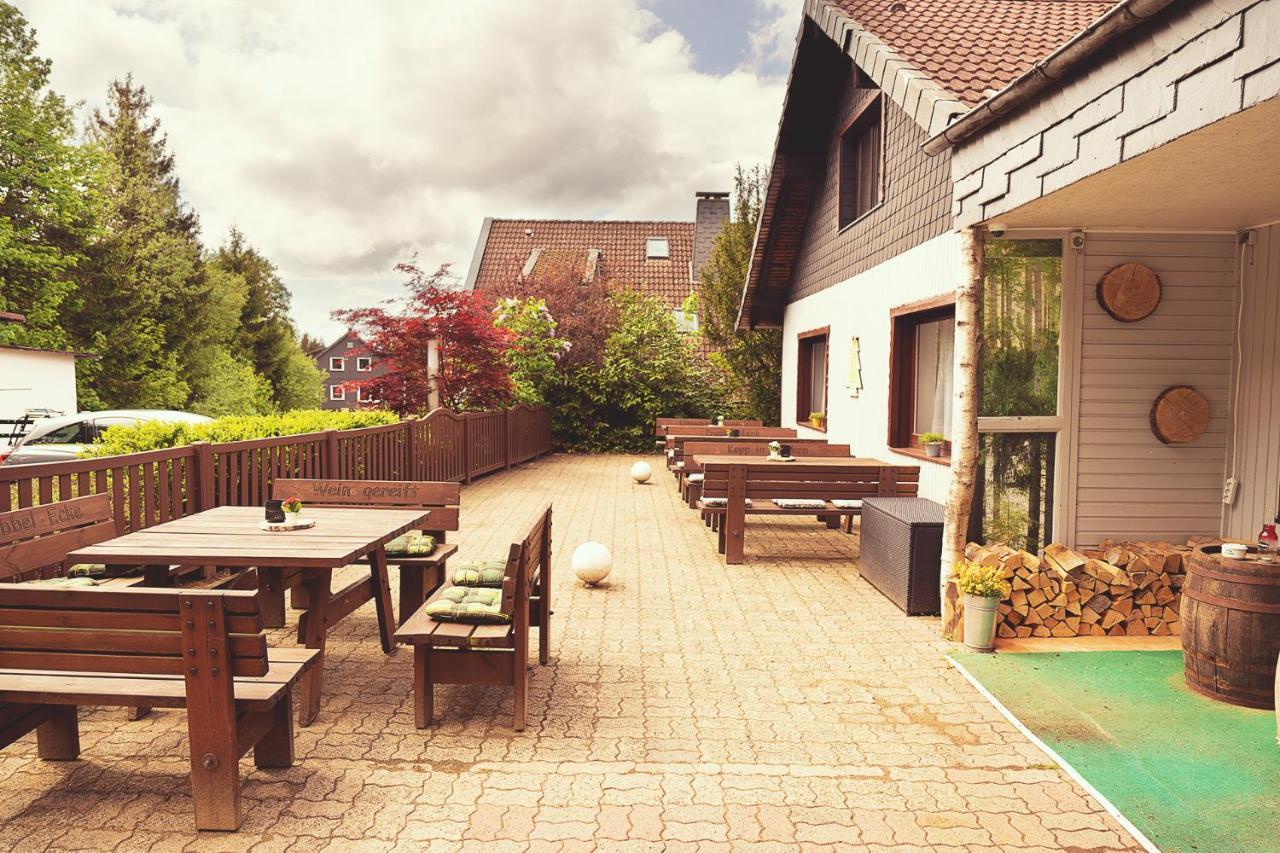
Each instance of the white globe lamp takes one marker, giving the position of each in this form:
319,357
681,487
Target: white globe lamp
591,562
641,472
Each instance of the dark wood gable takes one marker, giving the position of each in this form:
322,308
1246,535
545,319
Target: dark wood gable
818,77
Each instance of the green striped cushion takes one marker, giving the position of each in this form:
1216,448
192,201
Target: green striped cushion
415,543
484,574
470,605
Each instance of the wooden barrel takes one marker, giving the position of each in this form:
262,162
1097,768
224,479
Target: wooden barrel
1231,627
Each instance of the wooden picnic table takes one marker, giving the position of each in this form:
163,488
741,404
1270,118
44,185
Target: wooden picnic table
230,537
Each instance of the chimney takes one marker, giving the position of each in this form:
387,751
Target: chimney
712,214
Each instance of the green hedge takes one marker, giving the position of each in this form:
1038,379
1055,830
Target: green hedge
156,435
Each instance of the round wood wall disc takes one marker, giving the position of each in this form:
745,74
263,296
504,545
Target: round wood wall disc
1129,292
1179,415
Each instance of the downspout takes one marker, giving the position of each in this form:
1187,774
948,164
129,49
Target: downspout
1049,71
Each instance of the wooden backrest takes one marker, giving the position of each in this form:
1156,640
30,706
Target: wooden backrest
443,499
723,432
528,566
132,631
799,450
798,480
677,443
661,424
34,542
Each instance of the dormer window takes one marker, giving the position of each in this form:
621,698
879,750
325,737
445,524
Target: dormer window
657,249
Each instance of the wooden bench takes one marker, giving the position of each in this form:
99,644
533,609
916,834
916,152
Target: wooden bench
419,575
675,440
457,653
202,650
34,542
815,479
691,489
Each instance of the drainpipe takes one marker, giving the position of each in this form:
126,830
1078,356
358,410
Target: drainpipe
1049,71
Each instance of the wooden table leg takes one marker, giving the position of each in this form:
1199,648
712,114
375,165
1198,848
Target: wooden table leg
156,576
312,630
271,594
382,598
735,514
413,590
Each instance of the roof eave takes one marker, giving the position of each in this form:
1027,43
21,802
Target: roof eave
1048,72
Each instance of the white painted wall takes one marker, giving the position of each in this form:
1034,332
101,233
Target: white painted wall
860,307
36,379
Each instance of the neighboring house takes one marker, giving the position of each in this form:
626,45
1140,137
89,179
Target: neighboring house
661,259
35,379
347,360
1075,136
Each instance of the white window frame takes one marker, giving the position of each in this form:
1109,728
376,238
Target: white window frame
337,364
1064,422
368,363
649,253
337,393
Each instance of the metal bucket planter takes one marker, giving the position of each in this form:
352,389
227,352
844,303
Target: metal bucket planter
980,622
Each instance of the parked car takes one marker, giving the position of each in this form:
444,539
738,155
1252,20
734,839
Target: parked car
65,438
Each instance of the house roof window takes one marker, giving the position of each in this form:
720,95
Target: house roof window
337,363
657,249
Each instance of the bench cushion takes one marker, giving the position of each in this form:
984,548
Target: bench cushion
800,503
470,605
483,574
697,478
415,543
844,504
719,502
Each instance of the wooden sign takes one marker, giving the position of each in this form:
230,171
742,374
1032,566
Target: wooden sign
1129,292
1179,415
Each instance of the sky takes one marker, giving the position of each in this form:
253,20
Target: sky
342,137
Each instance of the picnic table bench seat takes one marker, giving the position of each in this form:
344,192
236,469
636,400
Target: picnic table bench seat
752,486
454,652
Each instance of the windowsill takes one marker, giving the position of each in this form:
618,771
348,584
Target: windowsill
852,223
807,425
916,453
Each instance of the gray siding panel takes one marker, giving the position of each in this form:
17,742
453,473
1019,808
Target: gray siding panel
1128,484
1257,458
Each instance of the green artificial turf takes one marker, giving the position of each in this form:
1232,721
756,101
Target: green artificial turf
1189,772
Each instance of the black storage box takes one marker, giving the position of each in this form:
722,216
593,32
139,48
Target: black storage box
902,551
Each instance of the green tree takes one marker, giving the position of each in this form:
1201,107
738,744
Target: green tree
752,359
47,189
267,336
536,350
142,297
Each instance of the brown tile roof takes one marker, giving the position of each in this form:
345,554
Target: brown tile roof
972,46
564,246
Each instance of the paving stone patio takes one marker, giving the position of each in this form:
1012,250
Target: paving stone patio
782,704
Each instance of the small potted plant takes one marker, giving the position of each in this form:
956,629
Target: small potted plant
818,420
983,587
775,450
292,510
932,442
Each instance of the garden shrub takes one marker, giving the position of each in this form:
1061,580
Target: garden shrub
155,435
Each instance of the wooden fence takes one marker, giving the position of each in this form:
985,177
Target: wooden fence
159,485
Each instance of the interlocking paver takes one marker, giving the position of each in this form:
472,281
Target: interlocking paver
775,705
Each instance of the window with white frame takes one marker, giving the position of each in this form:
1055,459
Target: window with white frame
686,321
364,363
363,396
337,392
337,364
657,249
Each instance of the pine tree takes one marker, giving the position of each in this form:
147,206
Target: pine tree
46,190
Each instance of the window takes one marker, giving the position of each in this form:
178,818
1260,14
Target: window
337,364
363,396
70,434
811,381
657,249
686,321
922,359
351,344
337,392
1018,420
861,162
364,363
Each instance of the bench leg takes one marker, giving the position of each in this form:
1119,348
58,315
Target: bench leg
422,686
271,594
720,540
833,522
275,749
413,590
215,775
313,629
58,739
520,671
298,598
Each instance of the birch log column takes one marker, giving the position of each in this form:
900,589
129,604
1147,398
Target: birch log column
964,426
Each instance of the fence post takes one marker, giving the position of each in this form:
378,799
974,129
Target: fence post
410,457
200,489
506,437
331,454
466,446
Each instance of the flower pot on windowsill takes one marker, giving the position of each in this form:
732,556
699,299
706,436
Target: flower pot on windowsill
817,421
933,449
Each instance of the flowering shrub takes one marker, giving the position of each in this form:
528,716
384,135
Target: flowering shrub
985,581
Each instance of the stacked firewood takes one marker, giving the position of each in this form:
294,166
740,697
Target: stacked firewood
1120,588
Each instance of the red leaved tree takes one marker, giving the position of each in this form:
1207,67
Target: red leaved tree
473,366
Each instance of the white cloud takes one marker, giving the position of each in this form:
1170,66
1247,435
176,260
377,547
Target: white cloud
772,37
342,137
